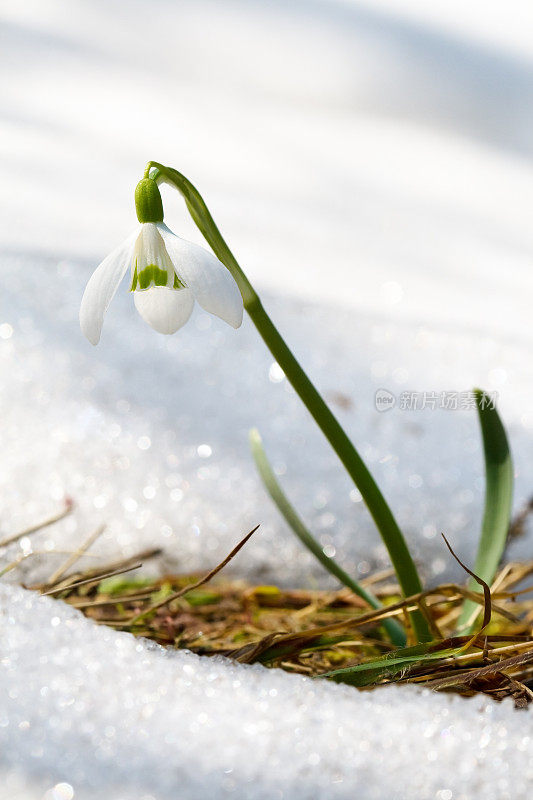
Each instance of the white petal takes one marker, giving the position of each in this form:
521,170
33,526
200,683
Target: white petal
165,310
211,283
102,286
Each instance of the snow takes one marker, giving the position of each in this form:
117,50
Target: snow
371,167
110,716
148,434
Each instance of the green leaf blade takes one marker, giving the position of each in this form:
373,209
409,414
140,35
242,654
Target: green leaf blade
296,524
499,479
389,666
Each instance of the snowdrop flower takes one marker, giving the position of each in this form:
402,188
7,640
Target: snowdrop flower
167,275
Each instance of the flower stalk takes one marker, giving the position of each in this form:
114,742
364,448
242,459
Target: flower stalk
327,422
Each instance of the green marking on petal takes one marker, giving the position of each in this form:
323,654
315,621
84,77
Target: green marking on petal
152,275
134,280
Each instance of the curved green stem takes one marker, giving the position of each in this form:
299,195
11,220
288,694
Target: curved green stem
319,410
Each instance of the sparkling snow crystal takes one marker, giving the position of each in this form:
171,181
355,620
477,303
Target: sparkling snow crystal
112,717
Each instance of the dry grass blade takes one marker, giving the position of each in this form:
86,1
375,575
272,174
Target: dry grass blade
95,572
95,579
492,669
40,525
253,651
487,613
71,560
201,582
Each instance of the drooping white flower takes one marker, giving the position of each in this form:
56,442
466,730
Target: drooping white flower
167,275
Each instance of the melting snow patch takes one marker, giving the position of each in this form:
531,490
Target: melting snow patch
87,712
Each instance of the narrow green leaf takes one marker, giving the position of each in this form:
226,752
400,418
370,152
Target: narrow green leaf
498,501
390,665
292,518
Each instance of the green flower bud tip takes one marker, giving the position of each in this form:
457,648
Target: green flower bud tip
148,203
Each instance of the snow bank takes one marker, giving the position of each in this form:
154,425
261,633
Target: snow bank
98,714
148,434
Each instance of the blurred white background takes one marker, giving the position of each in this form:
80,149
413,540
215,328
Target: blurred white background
372,158
344,146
